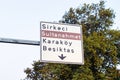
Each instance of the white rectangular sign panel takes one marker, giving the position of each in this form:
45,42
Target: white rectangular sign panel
61,43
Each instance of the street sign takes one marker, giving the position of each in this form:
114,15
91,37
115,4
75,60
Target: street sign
61,43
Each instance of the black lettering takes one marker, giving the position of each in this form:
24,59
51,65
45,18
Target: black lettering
53,41
57,42
63,29
61,42
66,43
47,26
44,48
50,27
66,29
72,50
44,40
57,49
60,49
68,50
64,49
53,49
43,26
70,43
59,28
49,49
49,41
54,27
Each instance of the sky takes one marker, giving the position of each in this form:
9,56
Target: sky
20,19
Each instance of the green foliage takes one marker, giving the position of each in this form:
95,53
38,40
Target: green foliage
101,49
92,17
100,55
83,73
114,36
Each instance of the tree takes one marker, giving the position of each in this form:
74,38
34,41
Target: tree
100,49
114,36
92,17
42,71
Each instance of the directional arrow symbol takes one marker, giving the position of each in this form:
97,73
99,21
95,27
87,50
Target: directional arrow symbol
62,57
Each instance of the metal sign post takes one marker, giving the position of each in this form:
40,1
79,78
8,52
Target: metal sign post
18,41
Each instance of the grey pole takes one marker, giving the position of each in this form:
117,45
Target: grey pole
18,41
